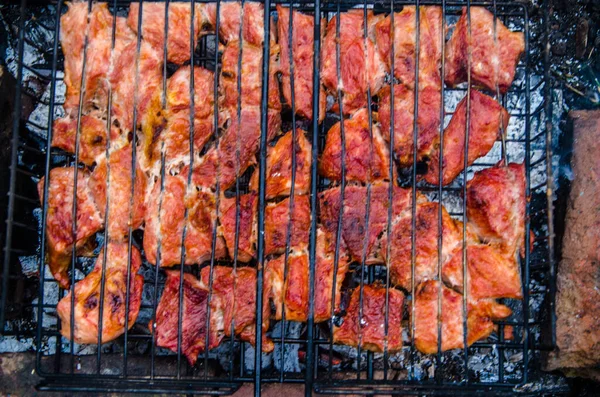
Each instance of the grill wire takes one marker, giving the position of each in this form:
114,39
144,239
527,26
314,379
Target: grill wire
131,362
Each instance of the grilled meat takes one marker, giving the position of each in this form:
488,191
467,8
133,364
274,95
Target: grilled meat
86,313
233,301
428,121
367,158
277,219
279,167
289,292
487,119
60,235
354,228
498,218
368,331
165,220
123,209
405,45
426,244
324,276
494,55
246,225
193,317
491,274
360,64
230,14
480,316
302,56
154,18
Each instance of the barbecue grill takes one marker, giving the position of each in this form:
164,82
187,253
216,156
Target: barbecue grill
304,353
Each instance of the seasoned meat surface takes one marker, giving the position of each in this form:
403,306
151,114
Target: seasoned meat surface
491,274
428,121
360,64
368,331
60,235
86,313
154,17
193,316
123,209
487,119
246,225
494,55
498,218
480,317
252,29
289,292
165,220
277,219
367,157
302,58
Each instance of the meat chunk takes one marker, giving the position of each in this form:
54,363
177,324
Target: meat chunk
324,276
277,219
368,331
404,36
86,313
426,244
487,118
498,218
428,121
165,220
113,180
234,303
354,223
302,57
367,158
494,55
490,273
230,17
193,316
179,27
60,235
279,167
480,317
289,292
360,64
246,225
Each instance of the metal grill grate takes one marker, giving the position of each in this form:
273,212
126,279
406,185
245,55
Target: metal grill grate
304,353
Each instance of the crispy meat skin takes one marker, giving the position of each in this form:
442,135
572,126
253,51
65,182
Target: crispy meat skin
153,27
358,72
428,121
496,206
491,274
354,217
229,21
87,297
193,317
59,230
369,331
290,294
303,58
487,117
361,164
120,212
480,318
430,45
279,167
277,218
246,249
493,59
167,227
234,302
324,273
426,241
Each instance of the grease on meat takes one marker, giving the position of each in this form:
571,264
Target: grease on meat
277,219
246,225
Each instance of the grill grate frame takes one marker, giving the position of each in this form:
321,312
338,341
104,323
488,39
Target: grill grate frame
59,376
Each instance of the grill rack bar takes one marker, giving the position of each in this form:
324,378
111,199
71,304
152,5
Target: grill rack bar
312,341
